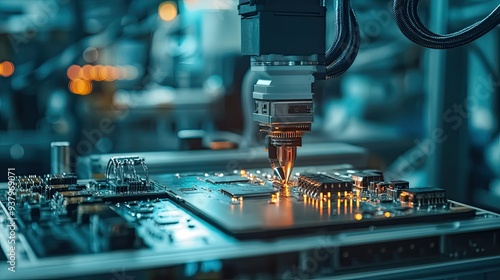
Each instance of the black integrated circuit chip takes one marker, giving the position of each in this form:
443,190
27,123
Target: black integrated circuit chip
247,190
362,180
396,187
315,185
230,179
423,197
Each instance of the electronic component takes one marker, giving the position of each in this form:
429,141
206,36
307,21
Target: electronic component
321,185
61,179
50,190
418,197
363,179
60,158
379,187
226,179
121,170
243,190
396,187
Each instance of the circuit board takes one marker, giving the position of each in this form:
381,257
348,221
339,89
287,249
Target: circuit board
59,215
252,204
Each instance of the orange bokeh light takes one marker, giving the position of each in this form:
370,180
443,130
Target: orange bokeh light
74,72
80,87
6,69
115,73
109,73
167,11
99,73
87,72
103,73
97,70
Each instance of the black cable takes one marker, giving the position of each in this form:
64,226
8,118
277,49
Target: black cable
346,59
346,45
406,14
342,22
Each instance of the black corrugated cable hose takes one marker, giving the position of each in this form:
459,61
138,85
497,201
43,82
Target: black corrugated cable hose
342,22
346,45
346,59
406,14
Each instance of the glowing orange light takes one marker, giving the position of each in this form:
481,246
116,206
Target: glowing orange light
104,73
274,199
6,69
387,214
97,72
80,87
87,72
107,73
115,73
358,216
167,11
74,72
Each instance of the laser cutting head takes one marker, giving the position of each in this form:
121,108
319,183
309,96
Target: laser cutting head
284,107
286,40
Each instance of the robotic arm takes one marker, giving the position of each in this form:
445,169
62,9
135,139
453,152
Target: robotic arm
286,42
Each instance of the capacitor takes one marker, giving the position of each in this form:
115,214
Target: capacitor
60,158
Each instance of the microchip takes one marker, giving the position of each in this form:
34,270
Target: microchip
61,179
53,189
362,180
319,184
246,190
379,187
226,179
396,187
423,197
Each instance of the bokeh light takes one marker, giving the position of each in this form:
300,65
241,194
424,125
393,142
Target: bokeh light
87,72
74,72
167,11
7,69
80,87
91,54
131,72
109,73
81,77
98,73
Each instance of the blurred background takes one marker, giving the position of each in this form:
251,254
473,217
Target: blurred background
129,76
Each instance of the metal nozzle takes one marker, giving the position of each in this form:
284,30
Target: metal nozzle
282,159
286,156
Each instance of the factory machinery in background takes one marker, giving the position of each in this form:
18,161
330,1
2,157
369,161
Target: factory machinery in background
286,41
